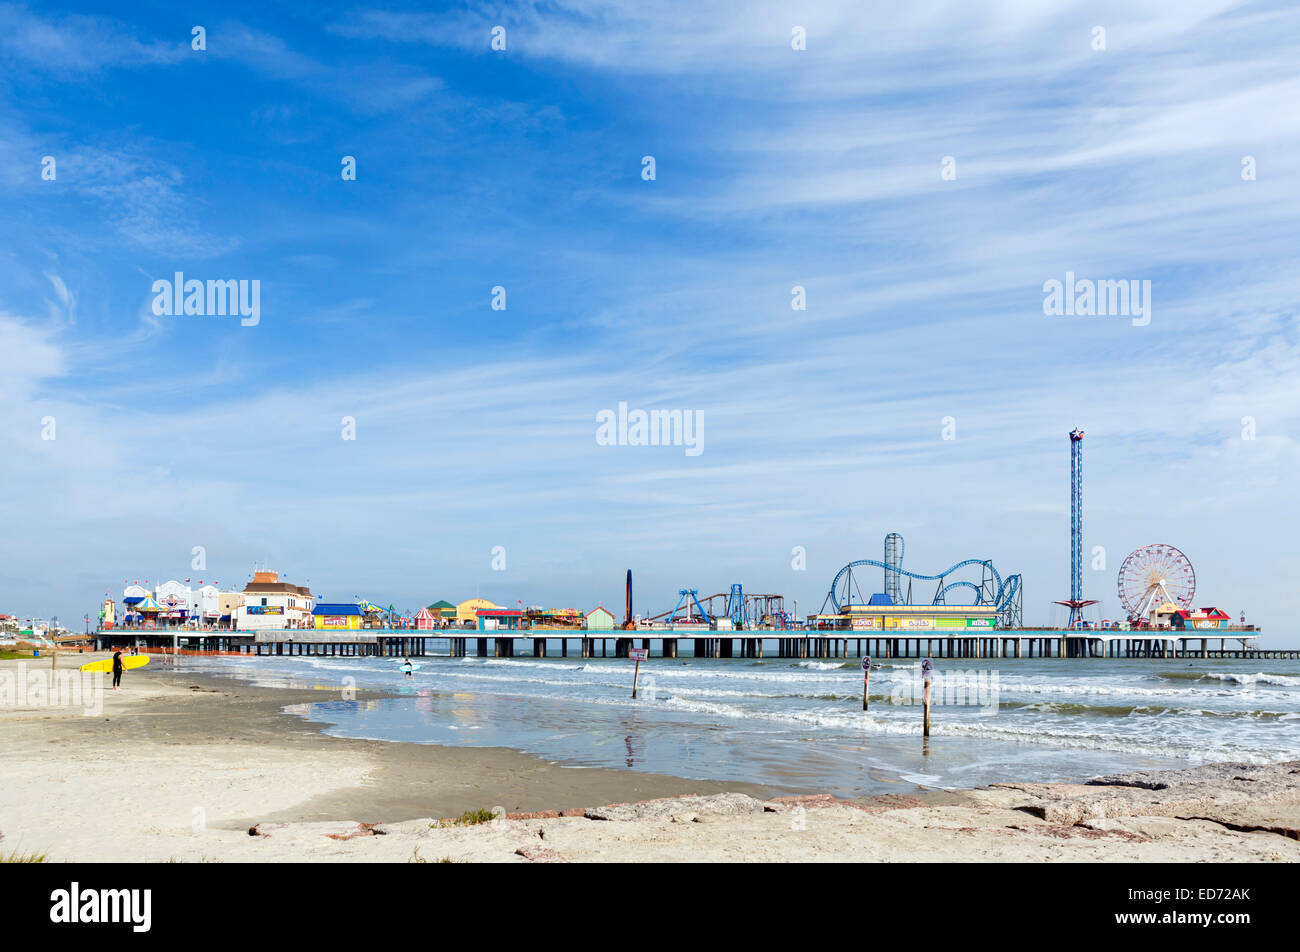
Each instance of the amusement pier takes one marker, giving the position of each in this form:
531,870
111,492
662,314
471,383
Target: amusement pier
873,608
673,643
272,617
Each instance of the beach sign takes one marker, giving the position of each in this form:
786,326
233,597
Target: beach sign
638,655
866,663
866,680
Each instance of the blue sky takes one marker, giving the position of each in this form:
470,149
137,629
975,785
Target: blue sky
775,167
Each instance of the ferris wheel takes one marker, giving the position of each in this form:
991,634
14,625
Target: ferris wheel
1154,575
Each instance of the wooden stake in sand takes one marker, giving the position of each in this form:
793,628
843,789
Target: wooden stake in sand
638,655
866,680
926,665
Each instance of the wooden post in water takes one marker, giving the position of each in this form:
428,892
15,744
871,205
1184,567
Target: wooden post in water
866,680
925,697
637,654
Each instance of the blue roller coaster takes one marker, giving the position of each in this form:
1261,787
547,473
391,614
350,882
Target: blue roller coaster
1003,594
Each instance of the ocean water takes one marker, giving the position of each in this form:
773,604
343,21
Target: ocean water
799,725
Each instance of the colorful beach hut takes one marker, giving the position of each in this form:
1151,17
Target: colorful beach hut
424,620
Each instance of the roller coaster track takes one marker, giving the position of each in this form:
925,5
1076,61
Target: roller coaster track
1005,594
757,605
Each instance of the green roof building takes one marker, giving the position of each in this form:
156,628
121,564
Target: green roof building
443,609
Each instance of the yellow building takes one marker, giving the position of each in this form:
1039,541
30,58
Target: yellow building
336,617
904,619
465,611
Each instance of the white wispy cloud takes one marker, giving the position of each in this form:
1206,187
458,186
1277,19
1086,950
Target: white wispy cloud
77,43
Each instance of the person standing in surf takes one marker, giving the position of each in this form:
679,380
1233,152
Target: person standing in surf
117,668
410,671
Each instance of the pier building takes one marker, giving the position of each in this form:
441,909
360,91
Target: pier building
880,614
271,603
336,616
466,611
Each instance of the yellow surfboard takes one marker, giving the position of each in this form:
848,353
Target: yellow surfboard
106,666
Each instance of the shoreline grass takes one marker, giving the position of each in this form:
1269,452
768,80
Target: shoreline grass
16,857
468,818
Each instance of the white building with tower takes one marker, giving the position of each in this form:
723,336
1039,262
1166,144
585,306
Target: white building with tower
271,603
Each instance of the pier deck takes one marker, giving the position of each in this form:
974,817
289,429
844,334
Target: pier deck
668,643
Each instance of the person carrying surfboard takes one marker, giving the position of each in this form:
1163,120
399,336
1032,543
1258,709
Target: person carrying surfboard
410,671
117,668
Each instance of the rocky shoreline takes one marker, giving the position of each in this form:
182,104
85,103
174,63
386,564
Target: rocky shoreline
1219,812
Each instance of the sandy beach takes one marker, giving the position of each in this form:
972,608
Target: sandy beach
186,767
